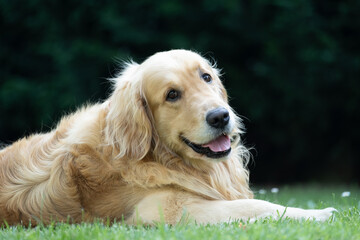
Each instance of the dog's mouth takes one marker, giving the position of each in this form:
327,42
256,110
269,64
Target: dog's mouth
217,148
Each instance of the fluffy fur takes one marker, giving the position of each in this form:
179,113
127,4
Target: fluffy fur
125,158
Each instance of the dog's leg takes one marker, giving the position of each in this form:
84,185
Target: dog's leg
251,209
171,207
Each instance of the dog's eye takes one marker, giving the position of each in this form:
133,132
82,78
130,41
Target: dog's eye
172,95
207,78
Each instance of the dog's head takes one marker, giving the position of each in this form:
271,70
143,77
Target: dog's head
178,97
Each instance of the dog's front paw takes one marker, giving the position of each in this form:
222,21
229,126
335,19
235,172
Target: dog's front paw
321,214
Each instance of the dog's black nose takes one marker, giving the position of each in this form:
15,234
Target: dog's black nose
218,118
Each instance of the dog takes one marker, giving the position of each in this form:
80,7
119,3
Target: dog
164,146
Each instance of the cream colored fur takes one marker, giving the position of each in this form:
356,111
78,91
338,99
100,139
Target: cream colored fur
124,158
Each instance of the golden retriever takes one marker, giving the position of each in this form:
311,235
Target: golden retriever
164,145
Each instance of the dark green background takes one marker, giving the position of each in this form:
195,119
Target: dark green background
291,69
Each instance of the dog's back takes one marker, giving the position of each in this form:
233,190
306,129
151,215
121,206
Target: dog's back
34,171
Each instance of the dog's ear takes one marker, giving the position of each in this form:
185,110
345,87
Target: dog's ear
128,127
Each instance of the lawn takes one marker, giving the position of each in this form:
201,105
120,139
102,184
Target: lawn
344,225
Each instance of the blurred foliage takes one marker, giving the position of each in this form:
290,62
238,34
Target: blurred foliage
291,69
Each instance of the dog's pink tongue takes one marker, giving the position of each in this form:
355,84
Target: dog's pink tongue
220,144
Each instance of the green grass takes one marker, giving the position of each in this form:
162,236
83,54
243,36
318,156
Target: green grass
344,225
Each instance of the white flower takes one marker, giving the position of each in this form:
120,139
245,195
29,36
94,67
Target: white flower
311,204
274,190
262,191
345,194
